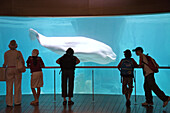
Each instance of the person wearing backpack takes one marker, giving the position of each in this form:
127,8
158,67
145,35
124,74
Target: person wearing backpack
67,63
35,63
126,67
150,67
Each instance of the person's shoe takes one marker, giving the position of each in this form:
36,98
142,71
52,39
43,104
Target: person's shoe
64,102
166,102
34,103
147,104
17,104
128,103
70,102
9,106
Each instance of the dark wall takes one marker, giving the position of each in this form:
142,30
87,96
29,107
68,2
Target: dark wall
81,7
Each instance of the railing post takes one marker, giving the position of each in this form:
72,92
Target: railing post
54,86
92,85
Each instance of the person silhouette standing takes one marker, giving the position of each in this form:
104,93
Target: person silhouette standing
13,75
67,63
126,68
35,63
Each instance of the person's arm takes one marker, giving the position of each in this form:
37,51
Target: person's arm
42,63
119,65
28,62
22,58
5,60
58,61
77,61
140,60
135,63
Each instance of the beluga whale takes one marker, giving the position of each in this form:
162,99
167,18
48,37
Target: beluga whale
86,49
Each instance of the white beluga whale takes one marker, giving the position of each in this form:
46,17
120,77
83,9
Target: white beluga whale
86,49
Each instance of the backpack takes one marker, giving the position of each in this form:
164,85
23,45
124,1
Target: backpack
68,62
152,64
127,68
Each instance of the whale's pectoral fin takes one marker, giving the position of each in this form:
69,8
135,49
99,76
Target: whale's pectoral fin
33,34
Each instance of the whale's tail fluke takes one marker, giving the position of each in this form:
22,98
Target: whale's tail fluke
33,34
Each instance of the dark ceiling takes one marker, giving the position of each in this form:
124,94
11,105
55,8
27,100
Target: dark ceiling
81,7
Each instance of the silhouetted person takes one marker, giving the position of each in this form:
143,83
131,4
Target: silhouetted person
150,84
126,67
35,63
67,63
13,75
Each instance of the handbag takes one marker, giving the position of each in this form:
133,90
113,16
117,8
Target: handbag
20,64
2,74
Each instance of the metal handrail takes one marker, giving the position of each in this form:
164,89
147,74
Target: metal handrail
92,67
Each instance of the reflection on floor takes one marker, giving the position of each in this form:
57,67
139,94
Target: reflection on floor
84,104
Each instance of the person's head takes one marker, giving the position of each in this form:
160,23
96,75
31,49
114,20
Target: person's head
35,52
70,51
127,53
138,50
12,45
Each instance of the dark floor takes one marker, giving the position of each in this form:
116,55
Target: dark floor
84,104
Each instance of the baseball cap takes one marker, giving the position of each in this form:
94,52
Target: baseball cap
137,48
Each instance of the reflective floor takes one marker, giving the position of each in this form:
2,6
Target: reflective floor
84,104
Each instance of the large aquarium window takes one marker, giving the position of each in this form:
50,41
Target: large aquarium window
111,36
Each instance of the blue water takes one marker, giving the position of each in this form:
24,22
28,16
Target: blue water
152,32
